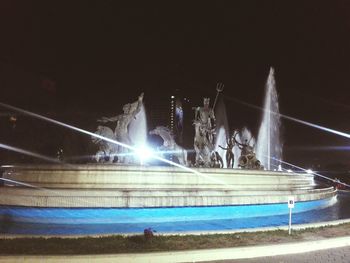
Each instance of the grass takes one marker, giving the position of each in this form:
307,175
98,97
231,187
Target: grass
140,243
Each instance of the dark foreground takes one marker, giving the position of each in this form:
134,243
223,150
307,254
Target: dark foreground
156,243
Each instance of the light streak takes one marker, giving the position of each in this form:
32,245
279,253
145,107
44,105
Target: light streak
320,148
45,190
40,117
343,134
33,154
21,183
314,173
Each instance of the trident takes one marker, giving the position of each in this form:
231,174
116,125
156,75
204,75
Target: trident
219,88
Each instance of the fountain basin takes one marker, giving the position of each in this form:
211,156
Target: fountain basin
123,186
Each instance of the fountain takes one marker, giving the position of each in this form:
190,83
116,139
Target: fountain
222,129
246,143
126,196
138,128
221,140
269,149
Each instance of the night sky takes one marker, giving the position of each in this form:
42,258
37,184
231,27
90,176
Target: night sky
88,58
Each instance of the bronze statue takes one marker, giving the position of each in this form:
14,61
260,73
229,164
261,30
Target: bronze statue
229,153
247,159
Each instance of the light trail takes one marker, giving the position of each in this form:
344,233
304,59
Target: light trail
343,134
172,151
22,184
33,154
41,117
320,148
134,149
39,156
67,202
306,170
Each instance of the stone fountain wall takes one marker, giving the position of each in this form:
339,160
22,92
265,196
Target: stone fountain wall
136,186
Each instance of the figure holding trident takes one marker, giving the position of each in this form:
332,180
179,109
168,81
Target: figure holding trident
206,117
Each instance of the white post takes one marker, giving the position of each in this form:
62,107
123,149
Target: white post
290,206
290,221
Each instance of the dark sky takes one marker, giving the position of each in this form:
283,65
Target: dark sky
69,56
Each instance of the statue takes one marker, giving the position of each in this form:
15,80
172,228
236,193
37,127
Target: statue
201,145
121,131
204,122
247,159
106,149
230,160
169,144
205,116
216,160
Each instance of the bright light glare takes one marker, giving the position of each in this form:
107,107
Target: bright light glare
7,166
38,116
144,153
309,171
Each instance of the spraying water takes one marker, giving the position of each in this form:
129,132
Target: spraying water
245,136
236,153
222,133
221,140
138,128
82,131
269,146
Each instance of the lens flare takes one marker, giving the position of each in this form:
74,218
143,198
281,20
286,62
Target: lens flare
343,134
309,171
313,172
33,154
319,148
38,116
144,153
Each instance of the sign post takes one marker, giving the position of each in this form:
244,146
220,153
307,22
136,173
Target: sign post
290,206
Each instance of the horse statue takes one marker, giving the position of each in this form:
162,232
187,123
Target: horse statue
202,146
106,149
169,144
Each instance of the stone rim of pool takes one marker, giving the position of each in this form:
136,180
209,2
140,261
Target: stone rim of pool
100,189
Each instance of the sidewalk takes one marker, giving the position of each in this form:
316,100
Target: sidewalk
333,255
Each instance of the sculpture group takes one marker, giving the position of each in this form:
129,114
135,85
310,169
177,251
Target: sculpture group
204,139
120,134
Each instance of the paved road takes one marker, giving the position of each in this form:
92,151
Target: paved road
335,255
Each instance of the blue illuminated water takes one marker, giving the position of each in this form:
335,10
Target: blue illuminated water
62,221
